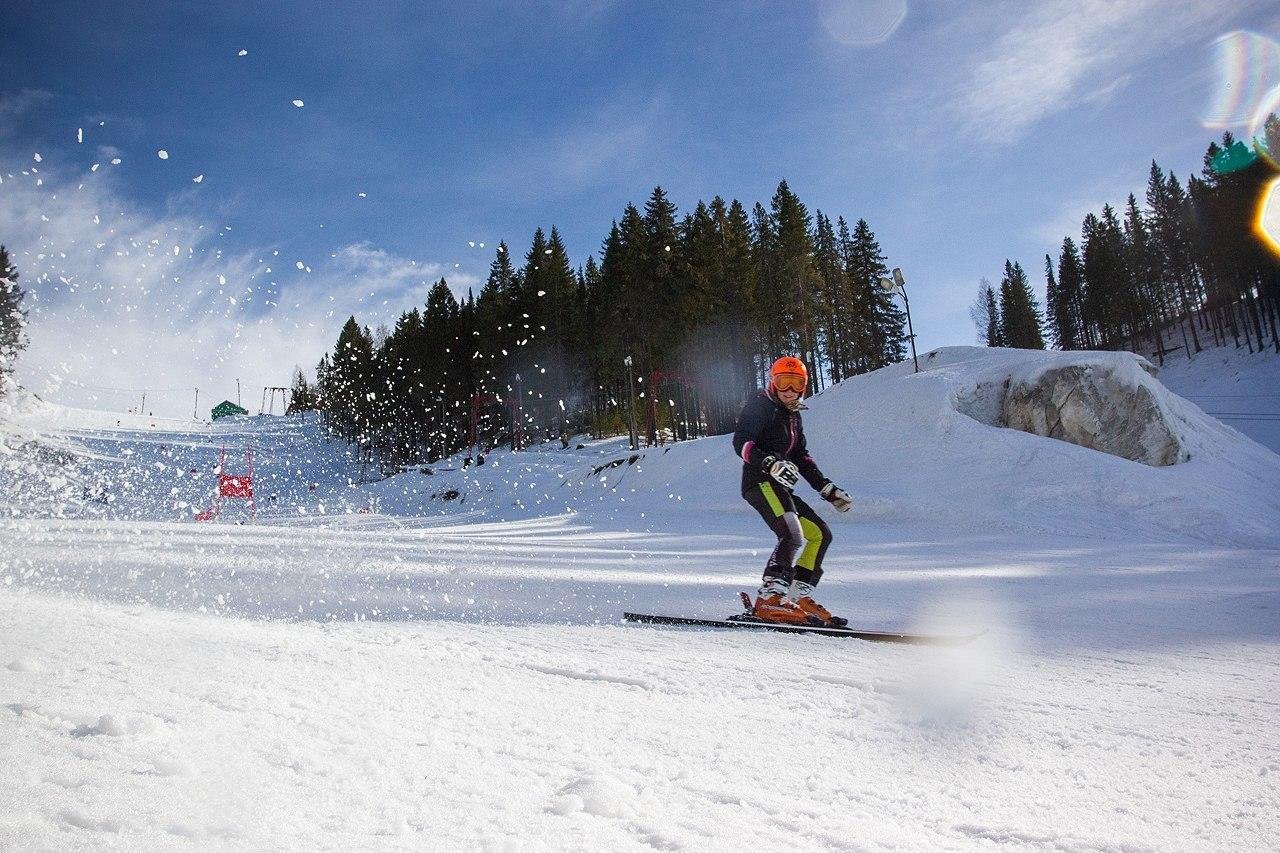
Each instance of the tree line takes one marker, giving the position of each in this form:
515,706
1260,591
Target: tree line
1185,266
13,320
667,331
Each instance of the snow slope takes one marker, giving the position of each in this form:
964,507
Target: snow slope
1238,387
452,673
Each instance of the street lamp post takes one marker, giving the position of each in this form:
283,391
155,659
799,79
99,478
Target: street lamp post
518,427
631,391
899,284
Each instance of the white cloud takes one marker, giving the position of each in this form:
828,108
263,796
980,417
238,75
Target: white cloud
123,299
1053,55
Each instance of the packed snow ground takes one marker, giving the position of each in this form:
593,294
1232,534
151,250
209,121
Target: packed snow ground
452,673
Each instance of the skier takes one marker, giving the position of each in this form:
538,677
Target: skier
770,441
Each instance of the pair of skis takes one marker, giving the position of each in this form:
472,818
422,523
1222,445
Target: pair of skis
747,620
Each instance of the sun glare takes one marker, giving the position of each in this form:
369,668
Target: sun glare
1266,223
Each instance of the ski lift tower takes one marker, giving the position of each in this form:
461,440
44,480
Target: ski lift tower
284,400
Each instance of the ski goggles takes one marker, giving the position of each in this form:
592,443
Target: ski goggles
790,382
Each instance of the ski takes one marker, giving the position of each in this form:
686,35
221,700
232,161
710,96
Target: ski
747,621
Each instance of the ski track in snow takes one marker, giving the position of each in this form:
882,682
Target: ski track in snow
453,674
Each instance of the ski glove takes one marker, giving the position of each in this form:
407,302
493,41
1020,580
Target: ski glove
786,473
837,496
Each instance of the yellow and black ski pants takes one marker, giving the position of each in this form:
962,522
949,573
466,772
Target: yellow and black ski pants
803,537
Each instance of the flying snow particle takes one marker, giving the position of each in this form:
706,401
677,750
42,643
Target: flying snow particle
162,154
362,195
666,248
38,157
300,265
94,167
471,243
80,135
482,245
96,220
222,279
546,251
542,293
115,161
243,53
297,102
197,179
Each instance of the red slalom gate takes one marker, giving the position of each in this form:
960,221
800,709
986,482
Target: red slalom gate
233,486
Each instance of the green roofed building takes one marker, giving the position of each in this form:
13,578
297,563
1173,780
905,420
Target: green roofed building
226,407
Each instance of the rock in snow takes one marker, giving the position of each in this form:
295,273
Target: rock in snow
1108,407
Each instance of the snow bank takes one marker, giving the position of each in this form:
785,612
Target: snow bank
920,447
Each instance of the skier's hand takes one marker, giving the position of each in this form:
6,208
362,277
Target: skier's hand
786,473
837,497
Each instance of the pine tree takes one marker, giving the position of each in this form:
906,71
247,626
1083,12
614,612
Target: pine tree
1019,313
352,376
494,308
1052,299
302,396
530,305
833,294
442,369
1069,315
986,315
608,308
769,318
560,286
1141,299
1106,276
660,282
635,308
13,319
881,337
797,279
740,294
1169,214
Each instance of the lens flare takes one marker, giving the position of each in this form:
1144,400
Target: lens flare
1248,86
861,23
1266,223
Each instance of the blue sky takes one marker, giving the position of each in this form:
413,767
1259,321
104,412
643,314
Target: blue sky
964,134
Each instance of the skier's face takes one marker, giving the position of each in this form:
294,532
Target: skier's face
786,395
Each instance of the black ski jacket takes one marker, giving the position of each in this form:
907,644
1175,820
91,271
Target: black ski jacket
768,428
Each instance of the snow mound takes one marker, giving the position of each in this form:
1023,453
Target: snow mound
922,447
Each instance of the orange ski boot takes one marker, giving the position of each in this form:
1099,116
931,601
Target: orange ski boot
773,605
806,602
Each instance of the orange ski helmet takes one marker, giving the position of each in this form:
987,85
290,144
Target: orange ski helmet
788,374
